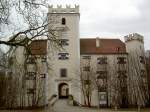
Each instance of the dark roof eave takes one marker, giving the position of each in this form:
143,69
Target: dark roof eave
103,53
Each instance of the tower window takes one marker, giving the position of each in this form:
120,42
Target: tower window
142,59
63,56
63,21
63,72
63,42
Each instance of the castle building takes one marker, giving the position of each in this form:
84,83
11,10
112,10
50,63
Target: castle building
118,67
105,72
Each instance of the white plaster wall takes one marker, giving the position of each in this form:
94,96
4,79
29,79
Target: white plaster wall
72,64
111,67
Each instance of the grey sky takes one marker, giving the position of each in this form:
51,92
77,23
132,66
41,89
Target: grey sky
113,18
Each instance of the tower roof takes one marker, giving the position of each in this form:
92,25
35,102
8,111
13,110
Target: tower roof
105,46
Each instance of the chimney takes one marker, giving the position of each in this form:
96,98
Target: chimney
97,42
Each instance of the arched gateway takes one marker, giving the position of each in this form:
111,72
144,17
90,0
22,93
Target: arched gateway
63,90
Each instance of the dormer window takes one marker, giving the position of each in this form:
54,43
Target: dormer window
118,49
63,21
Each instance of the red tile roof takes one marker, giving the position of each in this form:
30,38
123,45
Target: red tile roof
38,47
107,46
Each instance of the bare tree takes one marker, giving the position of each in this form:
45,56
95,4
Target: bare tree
28,20
86,78
137,80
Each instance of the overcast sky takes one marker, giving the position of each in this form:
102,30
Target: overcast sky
112,18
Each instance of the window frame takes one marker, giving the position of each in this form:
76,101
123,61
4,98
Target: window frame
63,42
63,56
63,72
102,60
63,21
121,60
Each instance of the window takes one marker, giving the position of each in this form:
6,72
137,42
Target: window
102,85
30,76
86,68
102,60
86,57
63,72
118,49
30,60
121,60
142,60
102,80
143,74
30,91
63,56
43,59
63,42
101,74
122,78
42,75
63,21
87,82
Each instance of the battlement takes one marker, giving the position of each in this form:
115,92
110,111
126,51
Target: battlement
60,9
134,36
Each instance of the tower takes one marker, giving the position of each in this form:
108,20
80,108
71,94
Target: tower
137,77
64,23
134,43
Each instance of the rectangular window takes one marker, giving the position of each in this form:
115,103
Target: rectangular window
121,60
31,60
63,72
43,59
63,42
86,57
42,75
30,76
122,80
63,56
30,91
101,74
102,60
143,74
86,68
142,60
101,88
87,82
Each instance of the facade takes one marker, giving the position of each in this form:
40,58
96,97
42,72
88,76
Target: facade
118,69
27,76
107,62
95,71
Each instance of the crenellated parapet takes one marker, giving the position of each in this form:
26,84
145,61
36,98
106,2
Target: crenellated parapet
134,36
60,9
